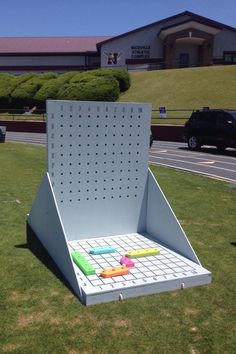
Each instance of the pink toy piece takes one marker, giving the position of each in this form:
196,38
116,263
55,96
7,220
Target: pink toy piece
127,262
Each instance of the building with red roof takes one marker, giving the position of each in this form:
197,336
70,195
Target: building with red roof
183,40
40,54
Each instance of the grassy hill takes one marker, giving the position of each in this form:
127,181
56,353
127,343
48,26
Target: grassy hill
178,89
190,88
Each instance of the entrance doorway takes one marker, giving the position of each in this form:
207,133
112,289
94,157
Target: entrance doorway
184,60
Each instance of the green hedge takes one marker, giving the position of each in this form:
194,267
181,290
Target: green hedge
24,77
7,85
23,95
50,89
91,89
122,76
33,89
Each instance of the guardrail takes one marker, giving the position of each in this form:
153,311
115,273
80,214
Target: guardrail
171,116
20,114
40,115
170,129
175,116
167,114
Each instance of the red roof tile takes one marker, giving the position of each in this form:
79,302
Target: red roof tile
50,44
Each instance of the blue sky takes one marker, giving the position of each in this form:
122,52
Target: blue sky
100,17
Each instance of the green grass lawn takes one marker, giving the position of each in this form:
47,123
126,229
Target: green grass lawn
176,89
190,88
39,314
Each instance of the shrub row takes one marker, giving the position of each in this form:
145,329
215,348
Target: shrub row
34,89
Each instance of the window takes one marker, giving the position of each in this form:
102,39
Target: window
211,117
223,118
207,117
233,115
230,57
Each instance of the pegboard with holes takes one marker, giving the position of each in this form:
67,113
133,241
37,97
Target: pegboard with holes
98,190
98,165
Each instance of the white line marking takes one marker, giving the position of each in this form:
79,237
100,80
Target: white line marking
199,153
207,162
191,163
194,171
200,156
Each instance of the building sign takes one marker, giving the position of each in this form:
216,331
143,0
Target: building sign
112,57
140,51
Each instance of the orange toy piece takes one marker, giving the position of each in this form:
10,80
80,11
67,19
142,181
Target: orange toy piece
114,272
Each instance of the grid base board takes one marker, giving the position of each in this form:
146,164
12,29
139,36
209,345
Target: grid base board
152,274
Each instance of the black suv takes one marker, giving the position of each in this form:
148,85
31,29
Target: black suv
211,127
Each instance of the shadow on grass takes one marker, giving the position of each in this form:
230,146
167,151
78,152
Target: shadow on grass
36,247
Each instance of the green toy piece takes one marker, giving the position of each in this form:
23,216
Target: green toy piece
82,263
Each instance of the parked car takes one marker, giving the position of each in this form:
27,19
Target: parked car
211,127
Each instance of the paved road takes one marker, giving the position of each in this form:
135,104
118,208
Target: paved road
207,162
28,138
